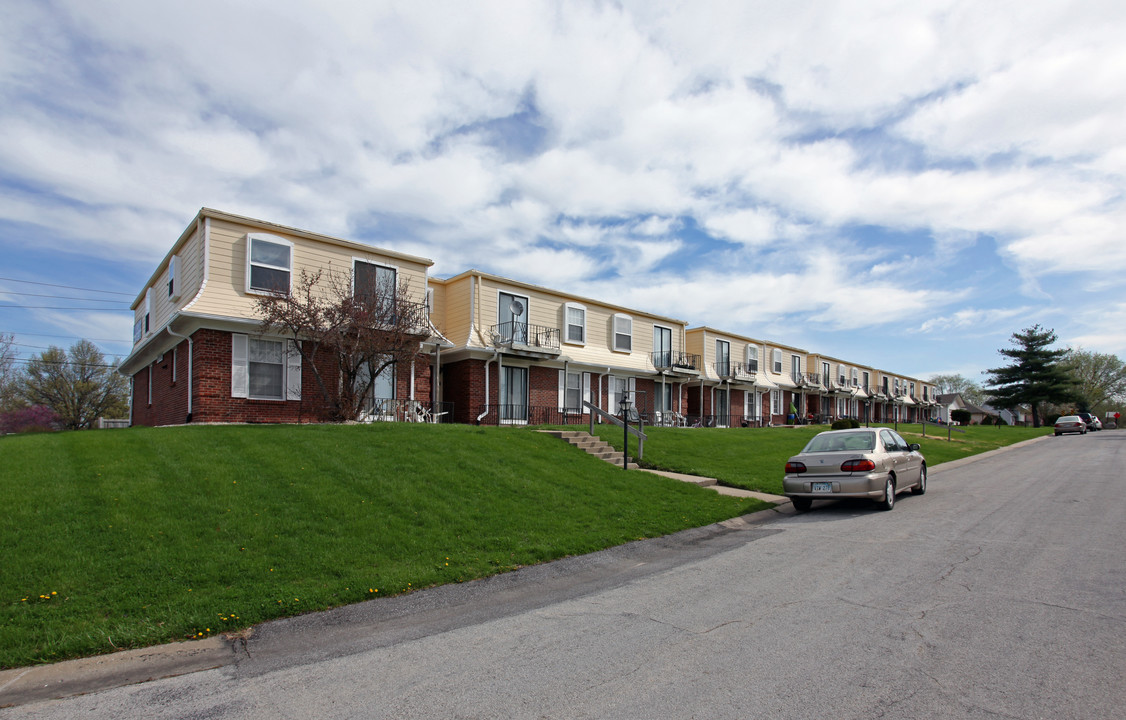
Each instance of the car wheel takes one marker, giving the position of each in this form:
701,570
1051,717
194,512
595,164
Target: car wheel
802,504
888,501
921,488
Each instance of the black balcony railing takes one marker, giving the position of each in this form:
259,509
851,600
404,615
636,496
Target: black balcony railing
675,360
515,414
520,333
812,379
734,371
395,410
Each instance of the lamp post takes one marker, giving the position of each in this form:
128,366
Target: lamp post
623,408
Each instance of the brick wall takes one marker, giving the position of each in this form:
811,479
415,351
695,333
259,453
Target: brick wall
211,387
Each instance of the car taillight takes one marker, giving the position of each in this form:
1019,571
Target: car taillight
795,467
863,465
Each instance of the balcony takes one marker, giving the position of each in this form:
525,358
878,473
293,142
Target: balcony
675,360
526,339
734,371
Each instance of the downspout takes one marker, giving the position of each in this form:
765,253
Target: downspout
412,381
496,356
191,352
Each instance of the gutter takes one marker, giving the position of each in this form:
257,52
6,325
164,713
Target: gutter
191,354
496,356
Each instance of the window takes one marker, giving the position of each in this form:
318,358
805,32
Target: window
514,395
268,264
855,377
574,388
379,400
173,279
752,358
265,368
618,387
664,397
723,358
826,373
778,362
512,318
371,281
141,325
662,347
623,333
866,379
912,389
775,402
574,316
795,368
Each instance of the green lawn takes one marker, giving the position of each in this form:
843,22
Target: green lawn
124,538
753,458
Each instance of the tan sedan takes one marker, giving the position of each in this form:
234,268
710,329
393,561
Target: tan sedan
873,463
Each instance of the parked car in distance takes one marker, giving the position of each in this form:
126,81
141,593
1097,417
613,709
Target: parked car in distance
1070,424
873,463
1093,422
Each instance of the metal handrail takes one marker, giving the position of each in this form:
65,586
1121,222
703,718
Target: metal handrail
521,333
675,360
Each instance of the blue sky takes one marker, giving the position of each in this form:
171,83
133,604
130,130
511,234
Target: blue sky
903,185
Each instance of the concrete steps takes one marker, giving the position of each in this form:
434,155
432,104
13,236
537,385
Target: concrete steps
591,445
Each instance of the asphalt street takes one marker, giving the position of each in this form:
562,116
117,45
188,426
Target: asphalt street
999,593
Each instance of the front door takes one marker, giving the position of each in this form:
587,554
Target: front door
512,318
514,395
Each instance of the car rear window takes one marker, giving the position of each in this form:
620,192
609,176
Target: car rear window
844,442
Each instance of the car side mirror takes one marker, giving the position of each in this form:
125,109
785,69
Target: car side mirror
913,446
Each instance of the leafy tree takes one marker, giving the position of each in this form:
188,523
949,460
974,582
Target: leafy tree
79,386
1100,377
970,390
365,326
9,399
1036,375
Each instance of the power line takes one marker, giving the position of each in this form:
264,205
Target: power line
28,361
56,307
63,297
70,287
69,337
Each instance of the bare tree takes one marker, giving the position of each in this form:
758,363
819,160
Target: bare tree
8,385
354,325
969,389
79,386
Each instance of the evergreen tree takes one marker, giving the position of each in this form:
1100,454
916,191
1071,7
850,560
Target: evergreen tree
1036,375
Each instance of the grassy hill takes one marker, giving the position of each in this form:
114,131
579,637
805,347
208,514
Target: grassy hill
125,538
753,458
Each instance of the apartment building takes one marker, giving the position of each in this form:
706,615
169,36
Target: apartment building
492,350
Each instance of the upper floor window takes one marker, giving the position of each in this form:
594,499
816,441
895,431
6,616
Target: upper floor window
269,264
866,378
173,277
723,357
752,358
855,377
778,361
912,389
371,281
623,333
575,323
841,375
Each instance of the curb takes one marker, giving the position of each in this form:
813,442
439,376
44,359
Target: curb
84,675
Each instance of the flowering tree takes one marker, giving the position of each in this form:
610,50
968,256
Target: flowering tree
358,325
31,418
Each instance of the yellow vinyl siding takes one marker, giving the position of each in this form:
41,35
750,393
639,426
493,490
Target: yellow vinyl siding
226,294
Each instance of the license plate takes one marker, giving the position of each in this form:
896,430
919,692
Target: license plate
823,487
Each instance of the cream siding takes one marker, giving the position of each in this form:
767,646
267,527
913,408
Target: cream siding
226,293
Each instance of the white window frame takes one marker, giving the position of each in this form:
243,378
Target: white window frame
240,368
276,240
842,374
725,355
776,361
662,329
855,377
615,334
174,278
567,308
797,363
826,373
867,380
775,402
358,260
581,385
752,358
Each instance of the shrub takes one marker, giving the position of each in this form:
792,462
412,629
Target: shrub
842,424
962,416
987,420
36,418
